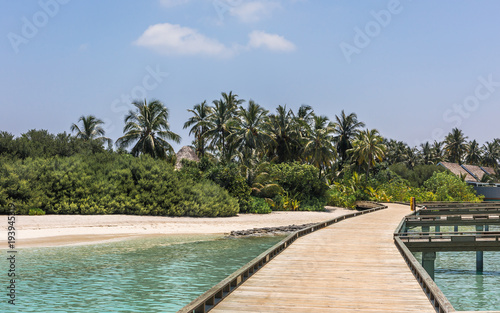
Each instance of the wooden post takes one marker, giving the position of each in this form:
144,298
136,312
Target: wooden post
412,203
479,262
428,259
479,255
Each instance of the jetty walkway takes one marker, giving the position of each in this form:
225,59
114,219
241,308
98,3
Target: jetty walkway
351,266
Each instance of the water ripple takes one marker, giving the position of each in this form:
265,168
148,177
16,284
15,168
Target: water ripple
160,274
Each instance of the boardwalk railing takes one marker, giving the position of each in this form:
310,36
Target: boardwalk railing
216,294
435,295
451,204
443,213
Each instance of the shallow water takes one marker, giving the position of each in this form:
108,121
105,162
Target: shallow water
162,274
155,274
456,276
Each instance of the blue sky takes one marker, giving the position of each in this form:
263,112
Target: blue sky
411,69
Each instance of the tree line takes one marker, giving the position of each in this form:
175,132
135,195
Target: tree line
258,156
230,131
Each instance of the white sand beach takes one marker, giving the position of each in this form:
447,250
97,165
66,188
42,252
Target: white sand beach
61,230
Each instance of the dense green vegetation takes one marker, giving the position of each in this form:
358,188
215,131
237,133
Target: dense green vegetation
387,186
252,160
107,183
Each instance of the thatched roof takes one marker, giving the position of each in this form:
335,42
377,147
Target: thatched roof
488,170
458,170
475,170
185,153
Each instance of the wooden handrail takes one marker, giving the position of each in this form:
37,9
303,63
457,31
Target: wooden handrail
217,293
435,295
454,217
448,235
438,299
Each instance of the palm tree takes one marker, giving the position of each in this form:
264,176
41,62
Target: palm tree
249,134
148,127
260,179
346,128
305,113
200,122
232,102
473,153
304,118
455,145
220,125
396,151
319,150
491,154
282,128
437,152
426,153
412,157
91,129
367,148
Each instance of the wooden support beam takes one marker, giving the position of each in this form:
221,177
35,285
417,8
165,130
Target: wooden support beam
428,260
479,255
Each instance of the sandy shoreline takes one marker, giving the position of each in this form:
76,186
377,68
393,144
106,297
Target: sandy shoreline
61,230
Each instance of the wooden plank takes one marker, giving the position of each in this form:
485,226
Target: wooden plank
352,266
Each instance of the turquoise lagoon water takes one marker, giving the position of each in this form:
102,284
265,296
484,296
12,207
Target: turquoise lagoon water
154,274
162,274
455,275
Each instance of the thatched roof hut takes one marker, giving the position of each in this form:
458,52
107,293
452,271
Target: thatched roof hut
185,153
475,170
473,173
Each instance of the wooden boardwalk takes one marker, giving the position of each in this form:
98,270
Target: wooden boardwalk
351,266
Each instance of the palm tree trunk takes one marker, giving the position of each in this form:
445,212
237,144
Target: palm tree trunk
223,146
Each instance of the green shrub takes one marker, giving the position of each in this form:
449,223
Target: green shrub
277,203
313,204
284,202
229,178
35,211
205,199
108,183
300,180
416,176
259,206
338,198
290,203
190,169
448,187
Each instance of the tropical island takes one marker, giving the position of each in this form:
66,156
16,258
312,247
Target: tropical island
251,160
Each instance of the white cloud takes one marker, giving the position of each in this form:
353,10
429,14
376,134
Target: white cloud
273,42
253,11
172,3
174,39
